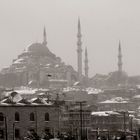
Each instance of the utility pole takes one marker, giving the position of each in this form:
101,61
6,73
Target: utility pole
6,137
36,121
14,131
59,111
124,113
124,120
131,125
81,103
131,118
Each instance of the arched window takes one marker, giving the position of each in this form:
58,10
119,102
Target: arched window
47,118
32,117
1,116
17,117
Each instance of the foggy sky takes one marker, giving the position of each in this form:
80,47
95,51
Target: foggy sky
103,23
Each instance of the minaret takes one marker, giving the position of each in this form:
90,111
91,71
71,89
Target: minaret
79,51
119,58
44,37
86,63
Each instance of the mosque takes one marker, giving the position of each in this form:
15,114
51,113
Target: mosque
37,66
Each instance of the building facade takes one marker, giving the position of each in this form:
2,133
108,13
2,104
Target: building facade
109,124
18,118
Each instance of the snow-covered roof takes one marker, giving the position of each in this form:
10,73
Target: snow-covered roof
57,80
139,108
33,101
56,65
104,113
7,101
93,90
70,89
89,90
138,86
77,83
115,100
26,91
136,97
15,98
136,120
24,101
18,61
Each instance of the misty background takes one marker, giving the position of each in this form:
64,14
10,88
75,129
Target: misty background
103,23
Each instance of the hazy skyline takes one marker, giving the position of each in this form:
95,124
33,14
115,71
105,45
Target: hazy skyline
103,23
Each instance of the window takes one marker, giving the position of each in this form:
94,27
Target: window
17,133
32,117
17,118
1,116
47,117
1,134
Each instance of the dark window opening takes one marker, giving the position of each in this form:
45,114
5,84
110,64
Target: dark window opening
17,133
47,130
1,117
17,118
32,117
47,118
1,134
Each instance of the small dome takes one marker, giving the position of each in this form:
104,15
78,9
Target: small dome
117,77
116,74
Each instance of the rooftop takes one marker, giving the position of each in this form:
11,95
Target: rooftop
115,100
104,113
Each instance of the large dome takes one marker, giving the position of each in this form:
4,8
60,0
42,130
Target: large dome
39,49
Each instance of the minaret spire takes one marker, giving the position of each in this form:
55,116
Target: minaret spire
79,51
86,63
44,37
119,58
